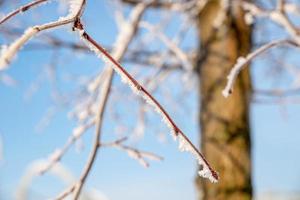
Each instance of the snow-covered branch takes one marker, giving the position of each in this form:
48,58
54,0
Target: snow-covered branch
243,61
184,143
8,53
278,16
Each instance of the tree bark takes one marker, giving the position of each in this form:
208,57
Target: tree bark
225,128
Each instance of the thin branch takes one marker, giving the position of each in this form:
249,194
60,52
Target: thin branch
136,154
280,5
65,193
277,15
22,9
121,46
171,45
243,61
184,143
8,53
57,155
99,120
74,16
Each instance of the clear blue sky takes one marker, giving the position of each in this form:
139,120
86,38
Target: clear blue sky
275,129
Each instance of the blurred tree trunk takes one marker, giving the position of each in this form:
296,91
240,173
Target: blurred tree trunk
225,128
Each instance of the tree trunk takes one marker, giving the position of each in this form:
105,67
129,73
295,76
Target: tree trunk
225,128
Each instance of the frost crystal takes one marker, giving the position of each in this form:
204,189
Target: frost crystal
183,144
165,120
206,173
74,7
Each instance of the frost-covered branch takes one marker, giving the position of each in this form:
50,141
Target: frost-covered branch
57,155
22,9
8,53
243,61
33,171
172,46
134,153
277,15
122,43
184,143
128,31
99,121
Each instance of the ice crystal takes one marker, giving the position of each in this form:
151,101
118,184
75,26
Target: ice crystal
206,173
183,144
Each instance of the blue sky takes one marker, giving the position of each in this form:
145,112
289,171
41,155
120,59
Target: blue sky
275,128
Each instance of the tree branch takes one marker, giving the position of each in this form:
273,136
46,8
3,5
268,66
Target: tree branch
243,61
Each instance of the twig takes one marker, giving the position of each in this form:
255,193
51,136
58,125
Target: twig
22,9
184,143
8,53
65,193
243,61
136,154
278,16
57,155
99,119
121,47
171,45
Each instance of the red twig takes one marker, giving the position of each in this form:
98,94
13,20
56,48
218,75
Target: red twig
79,27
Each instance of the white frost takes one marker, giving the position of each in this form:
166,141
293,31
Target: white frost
74,7
183,144
78,131
8,53
206,173
232,75
55,155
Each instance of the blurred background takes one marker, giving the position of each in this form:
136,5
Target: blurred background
47,93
